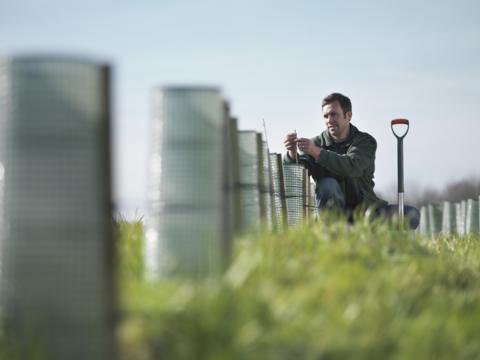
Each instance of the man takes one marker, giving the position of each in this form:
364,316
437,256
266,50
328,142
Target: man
342,162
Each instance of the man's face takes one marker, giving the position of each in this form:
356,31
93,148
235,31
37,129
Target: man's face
336,121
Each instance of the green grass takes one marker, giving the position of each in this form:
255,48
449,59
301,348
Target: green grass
324,291
21,349
130,250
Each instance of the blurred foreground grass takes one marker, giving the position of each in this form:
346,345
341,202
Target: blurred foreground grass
324,291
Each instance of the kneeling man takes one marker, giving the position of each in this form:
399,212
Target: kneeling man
341,160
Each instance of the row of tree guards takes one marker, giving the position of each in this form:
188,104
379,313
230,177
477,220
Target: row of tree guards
210,181
207,182
461,218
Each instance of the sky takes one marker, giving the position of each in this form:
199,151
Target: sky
276,60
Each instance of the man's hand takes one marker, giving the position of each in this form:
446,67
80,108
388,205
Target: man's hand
308,147
290,143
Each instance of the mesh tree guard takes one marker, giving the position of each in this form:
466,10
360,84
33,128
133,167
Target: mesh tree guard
185,232
250,145
296,195
56,281
278,192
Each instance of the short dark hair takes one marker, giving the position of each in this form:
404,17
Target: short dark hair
344,101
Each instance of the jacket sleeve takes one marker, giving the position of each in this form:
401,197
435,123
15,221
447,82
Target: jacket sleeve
352,164
287,160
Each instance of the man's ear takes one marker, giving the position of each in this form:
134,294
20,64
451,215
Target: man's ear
348,115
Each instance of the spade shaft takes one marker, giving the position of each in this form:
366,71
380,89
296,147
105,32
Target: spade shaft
401,204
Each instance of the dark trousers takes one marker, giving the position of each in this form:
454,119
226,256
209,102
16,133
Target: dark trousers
329,195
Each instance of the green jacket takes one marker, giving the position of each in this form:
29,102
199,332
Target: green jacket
351,163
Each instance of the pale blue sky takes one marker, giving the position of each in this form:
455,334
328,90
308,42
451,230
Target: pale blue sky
276,60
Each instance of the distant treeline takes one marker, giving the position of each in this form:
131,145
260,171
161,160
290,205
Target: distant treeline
454,191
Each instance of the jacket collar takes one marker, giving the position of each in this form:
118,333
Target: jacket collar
329,141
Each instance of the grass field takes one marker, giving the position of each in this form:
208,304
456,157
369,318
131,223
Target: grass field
324,291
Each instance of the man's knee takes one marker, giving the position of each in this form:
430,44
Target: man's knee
328,187
329,193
